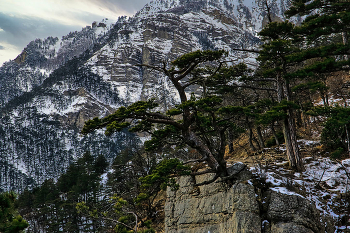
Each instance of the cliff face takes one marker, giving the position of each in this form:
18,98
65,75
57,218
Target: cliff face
240,208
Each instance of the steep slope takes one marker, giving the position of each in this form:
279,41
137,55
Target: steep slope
55,85
166,29
41,57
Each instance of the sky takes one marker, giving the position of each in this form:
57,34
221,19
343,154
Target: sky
22,21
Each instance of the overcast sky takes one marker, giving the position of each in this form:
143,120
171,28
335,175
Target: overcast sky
22,21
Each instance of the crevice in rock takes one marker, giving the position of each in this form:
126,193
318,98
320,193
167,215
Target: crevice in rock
249,205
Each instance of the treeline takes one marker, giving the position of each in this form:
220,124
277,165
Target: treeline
51,207
87,198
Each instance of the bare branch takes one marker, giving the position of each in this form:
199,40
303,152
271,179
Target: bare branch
195,80
135,221
217,69
186,72
190,83
247,50
346,171
268,8
179,71
164,66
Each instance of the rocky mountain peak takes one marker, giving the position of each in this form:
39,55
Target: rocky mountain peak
186,6
248,14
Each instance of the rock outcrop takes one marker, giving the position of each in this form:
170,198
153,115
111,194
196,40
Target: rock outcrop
240,208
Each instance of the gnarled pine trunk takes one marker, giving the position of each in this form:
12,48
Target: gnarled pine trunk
217,164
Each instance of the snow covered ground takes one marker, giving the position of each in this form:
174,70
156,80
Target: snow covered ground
324,182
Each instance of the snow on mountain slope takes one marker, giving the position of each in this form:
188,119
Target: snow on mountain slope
249,14
164,30
56,84
325,182
41,57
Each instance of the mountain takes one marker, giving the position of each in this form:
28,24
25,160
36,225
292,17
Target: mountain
55,85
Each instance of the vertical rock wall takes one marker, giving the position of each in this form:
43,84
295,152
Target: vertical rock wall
219,208
211,208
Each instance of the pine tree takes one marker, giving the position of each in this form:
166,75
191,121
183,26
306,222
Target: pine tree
10,220
52,206
303,55
200,123
273,76
324,37
324,20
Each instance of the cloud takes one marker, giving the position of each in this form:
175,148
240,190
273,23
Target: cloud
22,21
20,31
69,12
131,6
8,52
17,32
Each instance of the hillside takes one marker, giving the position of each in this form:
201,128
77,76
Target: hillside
191,116
56,84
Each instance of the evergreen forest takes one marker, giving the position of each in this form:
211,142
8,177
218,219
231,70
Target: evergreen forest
298,91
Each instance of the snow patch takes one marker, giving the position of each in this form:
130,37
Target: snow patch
284,190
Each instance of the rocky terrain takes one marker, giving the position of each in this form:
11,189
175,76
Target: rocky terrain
266,196
56,84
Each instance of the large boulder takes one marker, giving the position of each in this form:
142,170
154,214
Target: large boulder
292,213
238,208
214,207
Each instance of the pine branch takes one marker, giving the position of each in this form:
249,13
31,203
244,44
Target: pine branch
199,78
247,50
158,115
186,72
161,121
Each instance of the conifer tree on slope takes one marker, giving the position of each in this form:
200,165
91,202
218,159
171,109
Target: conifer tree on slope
10,220
324,33
323,20
290,53
275,68
323,36
200,123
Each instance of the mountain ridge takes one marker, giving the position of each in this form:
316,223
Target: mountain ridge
47,94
